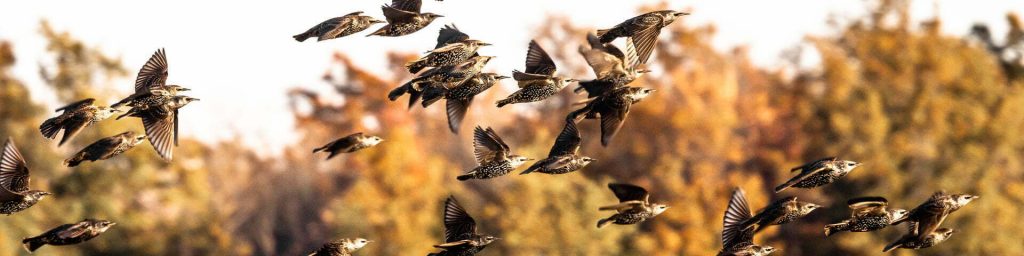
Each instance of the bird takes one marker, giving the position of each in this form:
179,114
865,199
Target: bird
612,108
453,47
341,247
644,30
493,155
68,234
458,98
633,207
74,117
157,104
151,88
818,173
348,144
440,78
868,214
161,124
737,241
338,27
538,81
106,148
780,212
609,63
915,242
15,196
564,156
404,18
460,235
928,216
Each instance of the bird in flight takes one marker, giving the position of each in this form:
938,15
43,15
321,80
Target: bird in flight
564,156
68,234
460,235
348,144
157,104
612,108
404,17
736,240
538,81
453,47
633,207
106,148
643,29
15,196
819,173
338,27
867,214
494,157
75,117
780,212
341,247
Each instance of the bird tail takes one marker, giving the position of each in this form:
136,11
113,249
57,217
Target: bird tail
50,128
302,37
532,168
604,222
32,244
465,176
786,185
398,92
605,36
892,246
415,66
502,103
431,95
832,229
74,161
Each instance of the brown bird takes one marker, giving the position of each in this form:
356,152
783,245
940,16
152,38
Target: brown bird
819,173
348,144
644,30
736,240
612,108
634,206
404,18
338,27
494,157
910,241
868,214
68,234
106,148
157,104
341,247
611,64
928,216
460,235
780,212
564,156
75,117
538,81
15,196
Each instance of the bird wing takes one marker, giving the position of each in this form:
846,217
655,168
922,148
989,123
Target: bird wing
595,88
488,147
600,58
568,142
630,58
72,128
863,205
457,223
153,73
644,41
77,105
815,162
456,109
392,14
13,170
450,34
538,61
628,192
623,206
412,6
160,131
74,231
611,121
931,218
453,245
736,215
798,178
333,27
521,76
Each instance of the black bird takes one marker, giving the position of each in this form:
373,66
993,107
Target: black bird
460,235
818,173
928,216
157,104
611,64
161,124
348,144
404,18
868,214
644,30
441,78
493,155
106,148
612,108
538,82
453,47
68,234
737,241
15,196
338,27
460,97
341,247
780,212
920,242
75,117
151,88
634,206
564,156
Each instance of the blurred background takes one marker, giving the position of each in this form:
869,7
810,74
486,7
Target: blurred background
930,96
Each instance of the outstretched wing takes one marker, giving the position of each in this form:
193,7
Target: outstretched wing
450,34
644,41
77,105
630,58
153,73
74,231
611,122
458,225
628,192
568,142
487,146
160,131
392,14
13,170
407,5
738,212
862,205
456,109
538,61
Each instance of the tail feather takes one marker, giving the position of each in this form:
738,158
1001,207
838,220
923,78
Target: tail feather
604,222
398,92
31,244
605,36
416,66
49,128
302,37
465,177
502,103
72,162
832,229
892,246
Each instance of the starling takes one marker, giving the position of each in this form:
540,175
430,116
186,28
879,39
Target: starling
440,79
612,108
15,195
611,64
737,241
338,27
644,30
916,242
565,154
928,216
106,148
151,88
633,206
157,104
538,82
818,173
460,235
68,234
868,214
453,47
404,18
341,247
459,97
161,124
493,155
779,212
75,117
348,144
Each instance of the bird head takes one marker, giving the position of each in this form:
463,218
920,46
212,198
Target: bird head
942,234
637,94
360,243
103,225
488,239
517,160
807,208
847,166
587,160
898,214
963,199
174,89
765,250
36,195
181,101
475,42
659,208
373,140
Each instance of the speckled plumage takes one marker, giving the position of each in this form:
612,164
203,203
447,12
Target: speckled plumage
15,195
564,156
910,241
612,108
634,206
611,64
643,29
440,79
736,239
867,214
461,236
453,47
928,216
538,81
780,212
404,18
819,173
106,148
338,27
460,97
493,155
157,104
68,234
74,118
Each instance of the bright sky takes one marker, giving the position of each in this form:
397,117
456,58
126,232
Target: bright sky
240,59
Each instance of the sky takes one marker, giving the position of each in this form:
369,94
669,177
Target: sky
240,59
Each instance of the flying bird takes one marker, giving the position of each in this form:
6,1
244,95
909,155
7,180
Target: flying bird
493,155
157,104
928,216
404,18
634,206
68,234
441,78
868,214
453,47
611,64
458,98
612,108
75,117
338,27
564,156
780,212
106,148
151,88
341,247
920,242
643,29
460,235
161,124
348,144
818,173
736,240
15,196
538,81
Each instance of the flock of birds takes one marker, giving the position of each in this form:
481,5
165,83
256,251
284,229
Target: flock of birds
453,71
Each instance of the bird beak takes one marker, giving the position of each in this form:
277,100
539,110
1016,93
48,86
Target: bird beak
497,238
377,21
653,90
530,159
975,197
195,99
183,89
46,193
503,77
113,223
484,44
642,71
369,241
677,14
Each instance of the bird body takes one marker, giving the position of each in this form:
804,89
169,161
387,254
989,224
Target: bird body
494,157
106,148
404,18
157,104
458,98
564,156
736,239
612,108
447,55
780,212
348,144
68,234
538,81
15,195
341,247
819,173
461,236
868,214
634,206
338,27
74,118
915,242
643,29
928,216
439,79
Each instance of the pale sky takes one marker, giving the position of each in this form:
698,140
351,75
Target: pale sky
221,48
